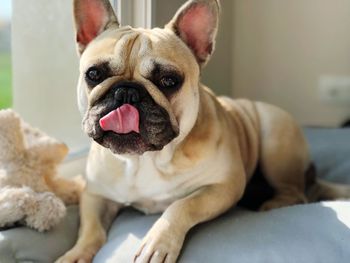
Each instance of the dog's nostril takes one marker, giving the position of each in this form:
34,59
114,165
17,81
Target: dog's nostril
127,95
135,97
120,95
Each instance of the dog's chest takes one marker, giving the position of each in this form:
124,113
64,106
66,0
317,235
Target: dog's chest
140,183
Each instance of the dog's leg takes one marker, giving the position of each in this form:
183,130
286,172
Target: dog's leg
164,241
96,216
284,157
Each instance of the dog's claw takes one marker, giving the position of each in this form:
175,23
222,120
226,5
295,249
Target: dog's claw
138,253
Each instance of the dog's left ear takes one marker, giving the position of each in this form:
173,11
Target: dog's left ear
92,17
196,23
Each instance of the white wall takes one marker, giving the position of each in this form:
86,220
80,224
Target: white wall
282,47
45,68
276,51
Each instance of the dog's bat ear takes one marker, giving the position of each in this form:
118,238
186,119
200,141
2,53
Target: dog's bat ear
196,23
92,17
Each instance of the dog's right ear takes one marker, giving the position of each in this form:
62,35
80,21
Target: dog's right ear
92,17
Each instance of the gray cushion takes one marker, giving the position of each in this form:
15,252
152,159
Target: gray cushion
24,245
330,150
304,233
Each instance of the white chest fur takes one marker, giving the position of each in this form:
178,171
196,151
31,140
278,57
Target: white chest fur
142,181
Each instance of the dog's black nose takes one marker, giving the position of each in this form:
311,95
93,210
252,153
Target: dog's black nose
127,95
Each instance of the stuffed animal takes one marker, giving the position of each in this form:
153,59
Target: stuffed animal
30,192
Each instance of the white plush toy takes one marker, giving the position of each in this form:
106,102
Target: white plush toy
30,192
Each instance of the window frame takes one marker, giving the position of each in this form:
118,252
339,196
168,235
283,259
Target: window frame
137,13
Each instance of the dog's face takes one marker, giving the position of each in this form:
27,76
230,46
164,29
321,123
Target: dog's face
138,88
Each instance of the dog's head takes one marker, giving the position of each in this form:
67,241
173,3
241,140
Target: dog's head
138,88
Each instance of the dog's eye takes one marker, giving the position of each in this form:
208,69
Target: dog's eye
168,82
95,76
167,79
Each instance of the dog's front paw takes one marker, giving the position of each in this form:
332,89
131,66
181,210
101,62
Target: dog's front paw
77,255
161,244
83,252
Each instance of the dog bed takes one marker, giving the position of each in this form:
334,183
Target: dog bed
310,233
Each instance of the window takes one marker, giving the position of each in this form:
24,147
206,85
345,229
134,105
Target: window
45,73
46,69
5,55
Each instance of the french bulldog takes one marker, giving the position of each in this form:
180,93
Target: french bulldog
162,141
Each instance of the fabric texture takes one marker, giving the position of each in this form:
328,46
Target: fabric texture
330,151
25,245
314,233
310,233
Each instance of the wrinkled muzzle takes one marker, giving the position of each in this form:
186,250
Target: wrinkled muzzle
127,120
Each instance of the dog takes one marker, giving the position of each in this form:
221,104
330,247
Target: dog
162,141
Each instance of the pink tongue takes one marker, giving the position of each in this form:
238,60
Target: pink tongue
123,120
